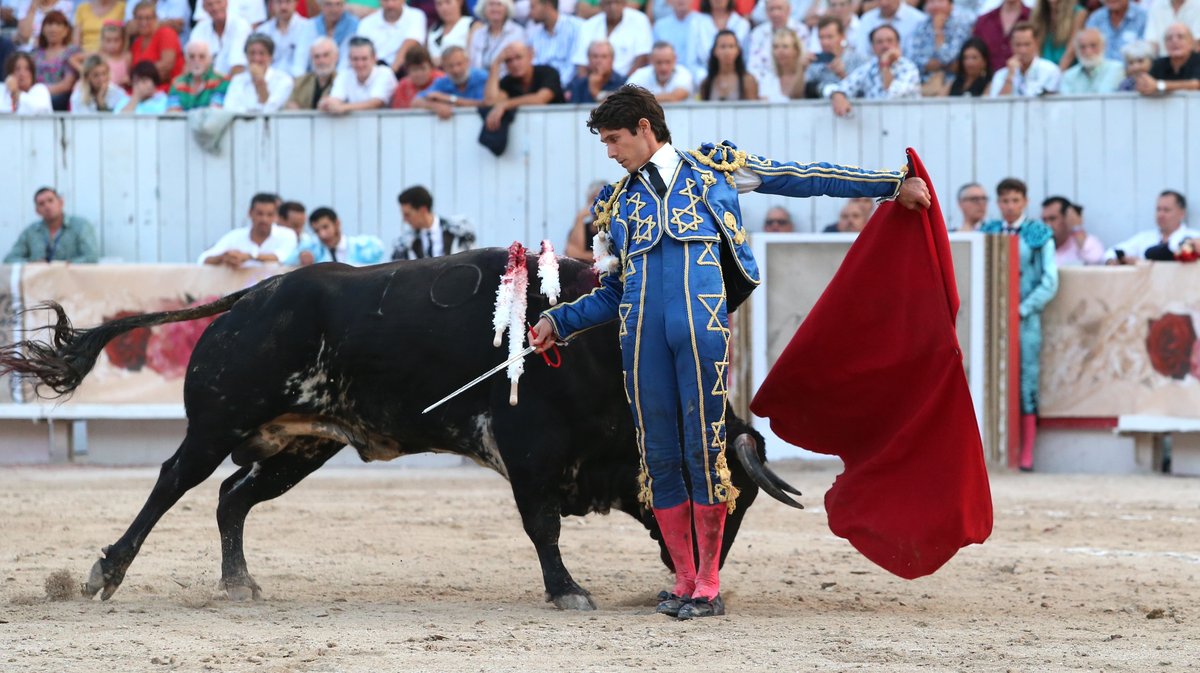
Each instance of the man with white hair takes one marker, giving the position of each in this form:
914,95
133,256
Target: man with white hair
1163,13
293,35
666,79
226,37
394,29
365,86
1179,70
311,87
199,86
627,29
1094,73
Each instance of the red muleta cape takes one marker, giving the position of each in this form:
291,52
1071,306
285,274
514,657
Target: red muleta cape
874,376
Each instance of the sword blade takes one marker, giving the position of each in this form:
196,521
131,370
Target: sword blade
480,378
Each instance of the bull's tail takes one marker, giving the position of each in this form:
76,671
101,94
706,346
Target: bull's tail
61,362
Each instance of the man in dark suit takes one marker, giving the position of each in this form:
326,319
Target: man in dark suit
429,235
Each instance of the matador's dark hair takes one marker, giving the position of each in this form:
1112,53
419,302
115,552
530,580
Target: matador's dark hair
625,107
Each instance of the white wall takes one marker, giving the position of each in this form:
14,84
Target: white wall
157,197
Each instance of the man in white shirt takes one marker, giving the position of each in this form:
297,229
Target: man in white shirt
293,36
366,85
1026,73
226,37
262,88
1170,215
690,32
897,13
394,29
626,29
759,60
252,12
1163,13
668,81
262,242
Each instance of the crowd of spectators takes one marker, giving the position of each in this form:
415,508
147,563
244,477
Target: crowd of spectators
254,56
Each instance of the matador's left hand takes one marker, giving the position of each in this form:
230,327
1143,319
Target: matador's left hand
914,194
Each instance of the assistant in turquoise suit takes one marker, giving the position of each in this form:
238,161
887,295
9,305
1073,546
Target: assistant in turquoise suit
1039,283
674,260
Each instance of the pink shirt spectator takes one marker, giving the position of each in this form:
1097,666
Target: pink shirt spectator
406,90
990,29
1073,254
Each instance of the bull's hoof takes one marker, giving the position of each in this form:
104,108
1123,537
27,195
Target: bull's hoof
581,601
102,580
241,589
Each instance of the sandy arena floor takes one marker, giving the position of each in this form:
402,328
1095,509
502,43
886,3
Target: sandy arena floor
429,569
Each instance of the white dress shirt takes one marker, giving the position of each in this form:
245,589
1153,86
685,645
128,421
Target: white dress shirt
1136,246
387,37
280,243
1161,15
646,78
633,37
379,86
33,102
291,47
228,50
243,97
1041,77
253,12
666,160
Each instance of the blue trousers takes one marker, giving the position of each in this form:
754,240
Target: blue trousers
1031,366
675,350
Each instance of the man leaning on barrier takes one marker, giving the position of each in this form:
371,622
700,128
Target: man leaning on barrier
56,237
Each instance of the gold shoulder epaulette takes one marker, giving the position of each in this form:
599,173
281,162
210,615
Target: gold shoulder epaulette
720,157
603,210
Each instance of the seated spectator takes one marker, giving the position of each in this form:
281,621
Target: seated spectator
1170,215
261,88
55,237
835,60
581,240
95,91
147,96
1138,56
785,80
1025,74
461,86
725,17
199,86
1121,22
972,203
846,13
90,17
804,12
938,40
974,72
525,84
727,76
21,95
889,76
1056,22
262,242
553,37
778,221
293,36
330,245
498,31
30,16
310,88
1094,73
253,12
338,25
586,9
762,39
291,215
155,43
1179,70
600,79
1162,13
394,30
626,29
667,80
174,14
453,29
852,218
895,13
428,234
996,28
115,50
1073,245
690,32
226,37
57,61
420,77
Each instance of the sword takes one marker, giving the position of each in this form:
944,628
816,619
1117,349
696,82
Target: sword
480,378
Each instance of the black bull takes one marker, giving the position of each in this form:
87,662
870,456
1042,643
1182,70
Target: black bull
305,363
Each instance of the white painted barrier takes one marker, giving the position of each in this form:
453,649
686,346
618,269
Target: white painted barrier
156,196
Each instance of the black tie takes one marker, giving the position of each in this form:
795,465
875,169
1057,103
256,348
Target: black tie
333,253
428,243
656,180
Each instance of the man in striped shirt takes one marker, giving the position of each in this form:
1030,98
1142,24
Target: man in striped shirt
553,38
199,86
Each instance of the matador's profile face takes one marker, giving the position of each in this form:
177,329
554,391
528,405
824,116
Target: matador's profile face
631,150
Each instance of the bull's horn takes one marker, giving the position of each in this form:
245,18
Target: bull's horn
747,453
